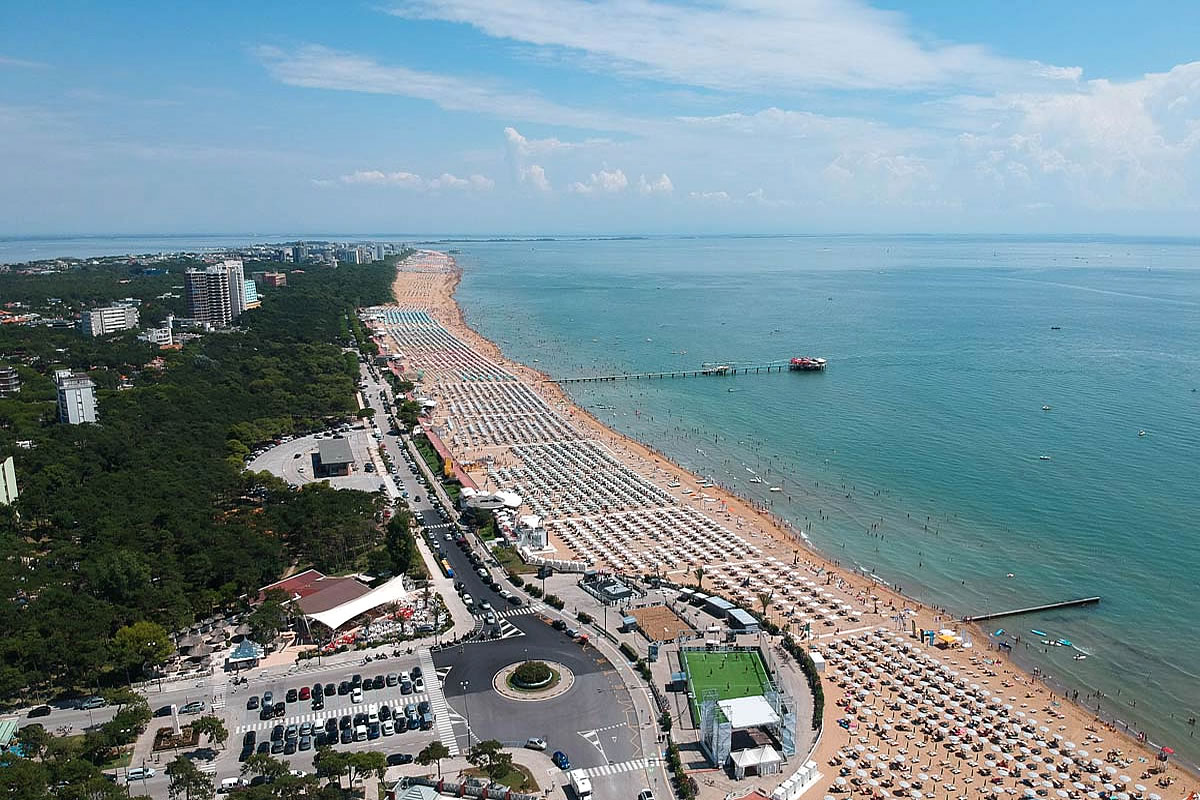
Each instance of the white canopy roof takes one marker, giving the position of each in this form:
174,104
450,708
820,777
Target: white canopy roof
391,592
749,712
756,756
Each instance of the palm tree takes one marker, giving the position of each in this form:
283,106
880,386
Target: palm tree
764,600
699,573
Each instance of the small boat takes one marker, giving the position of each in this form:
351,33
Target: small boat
1079,657
1045,408
673,485
776,489
1055,327
756,479
1043,458
999,632
1036,632
1141,433
687,491
1064,643
731,389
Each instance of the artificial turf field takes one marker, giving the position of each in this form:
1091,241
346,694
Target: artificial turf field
737,674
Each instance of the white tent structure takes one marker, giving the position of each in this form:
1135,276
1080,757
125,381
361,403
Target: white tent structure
763,760
394,591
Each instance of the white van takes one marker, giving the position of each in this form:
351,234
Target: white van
360,733
140,773
229,784
581,784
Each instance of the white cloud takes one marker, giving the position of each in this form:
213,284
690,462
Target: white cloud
607,181
522,146
409,180
535,176
660,185
317,67
740,45
710,197
7,61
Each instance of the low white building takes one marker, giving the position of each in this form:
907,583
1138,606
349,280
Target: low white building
163,336
110,319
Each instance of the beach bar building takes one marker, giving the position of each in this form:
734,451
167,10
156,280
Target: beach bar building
719,607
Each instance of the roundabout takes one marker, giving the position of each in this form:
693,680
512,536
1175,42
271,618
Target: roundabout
531,681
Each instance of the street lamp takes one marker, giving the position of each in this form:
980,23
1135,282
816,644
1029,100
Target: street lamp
467,709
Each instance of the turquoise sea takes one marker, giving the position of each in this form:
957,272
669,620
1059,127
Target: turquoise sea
928,423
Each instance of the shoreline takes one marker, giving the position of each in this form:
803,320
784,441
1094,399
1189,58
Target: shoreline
657,467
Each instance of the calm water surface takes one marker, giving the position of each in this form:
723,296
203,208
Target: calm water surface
916,455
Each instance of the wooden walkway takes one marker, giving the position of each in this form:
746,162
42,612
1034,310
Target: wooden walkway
731,369
1083,601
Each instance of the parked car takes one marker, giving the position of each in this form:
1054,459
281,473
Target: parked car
40,711
356,696
95,701
252,702
396,759
305,693
560,760
535,743
291,696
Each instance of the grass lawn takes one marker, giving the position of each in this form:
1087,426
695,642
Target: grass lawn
511,561
740,674
518,778
122,759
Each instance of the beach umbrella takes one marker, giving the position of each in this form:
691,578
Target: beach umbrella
1139,788
1124,779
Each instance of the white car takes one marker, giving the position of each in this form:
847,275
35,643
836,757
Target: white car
140,773
418,684
356,696
535,743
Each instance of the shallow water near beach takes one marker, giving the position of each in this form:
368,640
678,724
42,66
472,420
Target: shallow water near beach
916,455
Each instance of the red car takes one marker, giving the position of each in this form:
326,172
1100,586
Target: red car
305,693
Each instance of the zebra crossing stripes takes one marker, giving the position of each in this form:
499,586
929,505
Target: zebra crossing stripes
208,768
437,703
617,769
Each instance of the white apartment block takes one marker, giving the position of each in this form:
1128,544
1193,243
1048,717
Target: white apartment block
110,319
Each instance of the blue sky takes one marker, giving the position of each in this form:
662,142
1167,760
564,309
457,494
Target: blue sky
599,116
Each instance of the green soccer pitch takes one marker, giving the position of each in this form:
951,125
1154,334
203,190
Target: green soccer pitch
735,674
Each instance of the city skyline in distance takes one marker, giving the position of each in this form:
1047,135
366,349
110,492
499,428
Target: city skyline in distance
600,117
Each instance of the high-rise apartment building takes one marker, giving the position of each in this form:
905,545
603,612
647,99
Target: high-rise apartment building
216,295
76,397
10,381
110,319
8,482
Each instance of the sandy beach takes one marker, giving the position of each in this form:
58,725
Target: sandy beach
428,283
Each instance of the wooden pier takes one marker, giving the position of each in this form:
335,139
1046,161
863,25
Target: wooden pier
1083,601
706,370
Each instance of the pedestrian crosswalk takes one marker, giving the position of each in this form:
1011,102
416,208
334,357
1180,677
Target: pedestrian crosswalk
319,717
533,608
438,704
624,766
208,767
